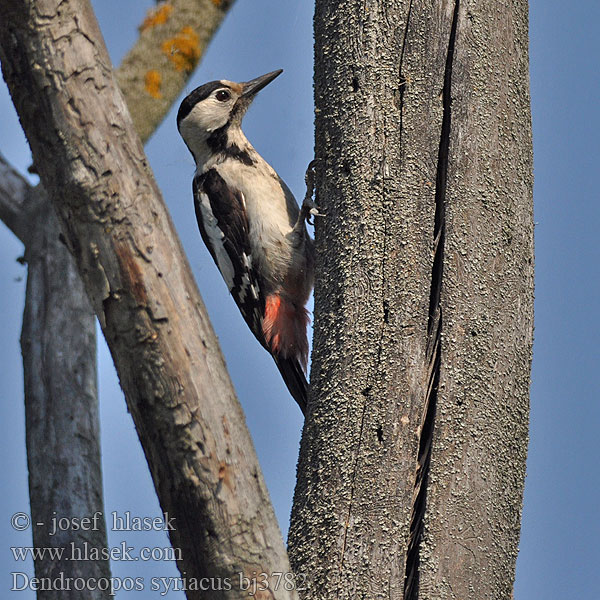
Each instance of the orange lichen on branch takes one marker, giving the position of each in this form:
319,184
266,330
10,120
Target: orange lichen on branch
217,2
156,17
152,83
183,50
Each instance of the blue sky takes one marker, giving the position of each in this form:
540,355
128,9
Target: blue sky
559,555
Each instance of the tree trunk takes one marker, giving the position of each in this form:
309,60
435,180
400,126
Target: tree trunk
412,461
61,409
92,164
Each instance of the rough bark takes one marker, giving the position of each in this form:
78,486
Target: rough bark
412,459
171,369
58,343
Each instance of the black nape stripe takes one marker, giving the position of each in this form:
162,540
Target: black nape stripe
218,143
199,94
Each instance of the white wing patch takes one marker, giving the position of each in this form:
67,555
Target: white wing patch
216,237
247,262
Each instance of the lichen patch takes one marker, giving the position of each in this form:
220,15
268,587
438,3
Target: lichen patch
152,83
158,16
183,50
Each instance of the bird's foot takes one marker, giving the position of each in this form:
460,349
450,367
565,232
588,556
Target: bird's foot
309,209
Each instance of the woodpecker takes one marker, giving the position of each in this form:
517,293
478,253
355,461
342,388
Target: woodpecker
251,224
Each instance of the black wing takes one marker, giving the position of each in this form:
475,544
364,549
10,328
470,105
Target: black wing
224,228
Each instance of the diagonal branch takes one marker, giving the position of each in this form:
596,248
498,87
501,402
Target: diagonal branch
171,369
58,342
172,39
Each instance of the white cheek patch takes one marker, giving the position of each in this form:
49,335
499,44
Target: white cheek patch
210,114
215,238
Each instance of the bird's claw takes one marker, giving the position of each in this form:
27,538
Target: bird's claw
313,211
309,209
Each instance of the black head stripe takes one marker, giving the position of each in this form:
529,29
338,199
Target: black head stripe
199,94
217,140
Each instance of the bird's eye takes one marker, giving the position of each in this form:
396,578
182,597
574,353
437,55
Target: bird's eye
223,95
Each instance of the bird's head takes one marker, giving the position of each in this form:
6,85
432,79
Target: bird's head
206,114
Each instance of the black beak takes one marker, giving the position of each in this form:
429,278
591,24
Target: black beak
251,88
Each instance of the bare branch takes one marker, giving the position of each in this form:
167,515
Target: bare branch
14,191
193,432
172,39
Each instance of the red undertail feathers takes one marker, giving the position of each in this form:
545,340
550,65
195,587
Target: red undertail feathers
284,327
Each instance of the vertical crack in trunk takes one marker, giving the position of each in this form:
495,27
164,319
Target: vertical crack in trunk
434,330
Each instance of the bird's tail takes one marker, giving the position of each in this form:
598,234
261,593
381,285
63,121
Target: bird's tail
284,329
294,378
